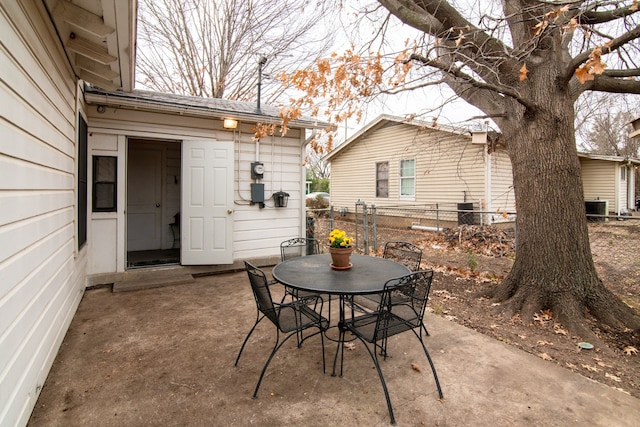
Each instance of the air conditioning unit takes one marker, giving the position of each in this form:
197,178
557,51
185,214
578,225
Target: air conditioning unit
596,210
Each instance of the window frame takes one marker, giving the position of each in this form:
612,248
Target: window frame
82,205
380,180
104,183
403,179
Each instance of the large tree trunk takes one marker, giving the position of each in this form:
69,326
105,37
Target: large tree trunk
554,268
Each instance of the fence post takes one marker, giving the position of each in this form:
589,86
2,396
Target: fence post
331,218
365,226
437,218
311,223
374,228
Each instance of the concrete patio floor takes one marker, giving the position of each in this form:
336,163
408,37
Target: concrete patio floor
165,356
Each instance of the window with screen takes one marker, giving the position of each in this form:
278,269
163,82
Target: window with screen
104,183
382,179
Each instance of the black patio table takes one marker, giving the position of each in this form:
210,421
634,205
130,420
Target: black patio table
367,275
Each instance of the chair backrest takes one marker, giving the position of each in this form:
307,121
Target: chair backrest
261,292
298,246
404,299
405,253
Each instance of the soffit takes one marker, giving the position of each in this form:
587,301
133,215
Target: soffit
99,39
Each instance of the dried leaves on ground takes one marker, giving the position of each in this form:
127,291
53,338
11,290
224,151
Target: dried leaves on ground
469,259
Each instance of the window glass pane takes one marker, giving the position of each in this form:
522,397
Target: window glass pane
407,177
104,183
407,168
382,179
104,196
105,169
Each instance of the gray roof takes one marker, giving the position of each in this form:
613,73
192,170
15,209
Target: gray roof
196,106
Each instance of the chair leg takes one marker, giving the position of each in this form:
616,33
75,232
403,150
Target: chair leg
433,367
276,347
374,357
258,320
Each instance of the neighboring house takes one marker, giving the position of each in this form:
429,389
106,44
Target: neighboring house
635,133
393,162
610,180
90,176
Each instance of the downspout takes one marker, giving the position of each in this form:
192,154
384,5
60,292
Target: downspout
488,185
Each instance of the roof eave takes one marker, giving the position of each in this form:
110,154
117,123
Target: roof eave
122,100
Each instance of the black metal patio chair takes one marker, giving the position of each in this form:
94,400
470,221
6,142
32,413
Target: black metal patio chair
405,253
298,246
290,319
293,248
402,307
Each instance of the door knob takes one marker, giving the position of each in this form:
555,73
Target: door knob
157,205
229,211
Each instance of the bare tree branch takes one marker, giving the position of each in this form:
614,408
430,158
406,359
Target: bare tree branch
212,47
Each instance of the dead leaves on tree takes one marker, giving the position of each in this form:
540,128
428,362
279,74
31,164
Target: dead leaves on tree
592,67
594,64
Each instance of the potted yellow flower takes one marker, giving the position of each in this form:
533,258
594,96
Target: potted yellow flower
340,248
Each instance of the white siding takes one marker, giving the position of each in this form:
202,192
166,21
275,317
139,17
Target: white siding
449,169
623,188
43,276
257,232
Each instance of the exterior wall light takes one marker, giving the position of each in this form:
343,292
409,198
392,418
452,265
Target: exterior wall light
230,123
280,199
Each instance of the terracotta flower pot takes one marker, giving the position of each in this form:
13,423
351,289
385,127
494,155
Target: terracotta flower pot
340,258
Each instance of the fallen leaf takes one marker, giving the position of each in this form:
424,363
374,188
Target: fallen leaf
561,331
416,367
571,365
543,342
613,377
590,368
629,350
544,356
349,346
604,365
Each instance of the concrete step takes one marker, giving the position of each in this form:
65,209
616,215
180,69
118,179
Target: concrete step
151,280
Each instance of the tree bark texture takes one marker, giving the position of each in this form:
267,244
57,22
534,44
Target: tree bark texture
527,83
554,267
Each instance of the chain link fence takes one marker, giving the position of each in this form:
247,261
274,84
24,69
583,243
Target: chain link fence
371,226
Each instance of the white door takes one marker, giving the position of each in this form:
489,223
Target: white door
207,202
144,198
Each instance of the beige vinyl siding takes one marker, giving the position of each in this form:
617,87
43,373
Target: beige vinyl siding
43,275
503,197
598,180
449,169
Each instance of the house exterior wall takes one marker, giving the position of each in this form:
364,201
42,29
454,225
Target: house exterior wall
257,233
43,272
502,198
449,168
599,181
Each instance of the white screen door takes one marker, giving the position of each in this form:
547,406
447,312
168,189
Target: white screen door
207,202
